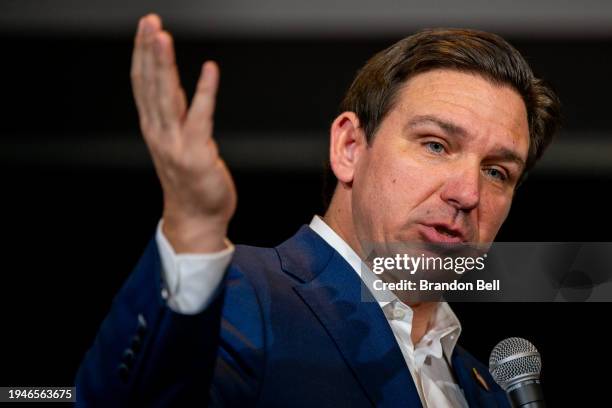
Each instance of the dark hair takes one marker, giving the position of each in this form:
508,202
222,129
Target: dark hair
373,92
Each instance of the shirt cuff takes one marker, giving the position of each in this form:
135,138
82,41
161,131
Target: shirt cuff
192,278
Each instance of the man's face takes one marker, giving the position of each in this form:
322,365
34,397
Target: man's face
443,164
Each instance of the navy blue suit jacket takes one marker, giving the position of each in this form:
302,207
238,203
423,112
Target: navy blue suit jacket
288,327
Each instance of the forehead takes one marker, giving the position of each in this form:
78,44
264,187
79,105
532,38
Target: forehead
484,109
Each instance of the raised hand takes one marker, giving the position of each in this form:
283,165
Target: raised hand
198,190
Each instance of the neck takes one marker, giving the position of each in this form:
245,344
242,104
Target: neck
421,318
339,218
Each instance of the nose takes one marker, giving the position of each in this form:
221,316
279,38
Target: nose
462,188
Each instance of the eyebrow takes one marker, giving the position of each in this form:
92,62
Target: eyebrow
446,126
505,154
453,129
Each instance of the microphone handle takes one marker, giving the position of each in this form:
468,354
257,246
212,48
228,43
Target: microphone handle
527,394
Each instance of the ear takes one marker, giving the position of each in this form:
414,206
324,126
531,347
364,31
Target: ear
347,142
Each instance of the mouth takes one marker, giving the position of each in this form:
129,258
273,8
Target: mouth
440,233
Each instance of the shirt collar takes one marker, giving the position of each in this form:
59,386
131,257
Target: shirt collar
445,328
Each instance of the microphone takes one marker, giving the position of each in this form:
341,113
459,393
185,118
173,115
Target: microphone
515,365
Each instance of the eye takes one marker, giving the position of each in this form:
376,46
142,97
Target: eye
496,174
435,147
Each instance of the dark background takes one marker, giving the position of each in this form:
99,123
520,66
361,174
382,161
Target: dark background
80,198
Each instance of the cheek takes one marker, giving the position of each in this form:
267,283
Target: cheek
373,199
493,213
390,188
370,188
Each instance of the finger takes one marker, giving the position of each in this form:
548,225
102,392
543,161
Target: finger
170,98
136,73
151,26
200,115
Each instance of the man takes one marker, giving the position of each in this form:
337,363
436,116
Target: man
433,137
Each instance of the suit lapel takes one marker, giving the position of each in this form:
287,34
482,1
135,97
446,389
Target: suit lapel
333,291
474,381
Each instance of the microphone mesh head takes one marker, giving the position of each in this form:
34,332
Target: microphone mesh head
512,359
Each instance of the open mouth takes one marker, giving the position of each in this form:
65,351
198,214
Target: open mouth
446,232
441,234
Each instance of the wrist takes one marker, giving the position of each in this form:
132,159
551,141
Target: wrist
190,235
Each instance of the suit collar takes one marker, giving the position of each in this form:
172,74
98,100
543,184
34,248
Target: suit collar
304,255
446,326
352,318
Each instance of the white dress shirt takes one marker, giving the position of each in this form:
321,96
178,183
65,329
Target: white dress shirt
191,280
